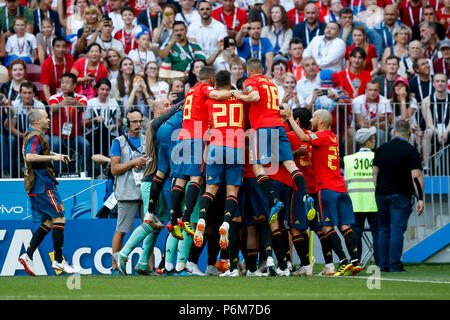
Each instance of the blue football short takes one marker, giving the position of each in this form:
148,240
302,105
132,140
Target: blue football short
335,208
224,165
45,206
270,145
187,158
252,203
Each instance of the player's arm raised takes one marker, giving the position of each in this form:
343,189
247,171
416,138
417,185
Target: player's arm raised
219,94
296,128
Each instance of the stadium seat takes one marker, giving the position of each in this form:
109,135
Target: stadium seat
34,75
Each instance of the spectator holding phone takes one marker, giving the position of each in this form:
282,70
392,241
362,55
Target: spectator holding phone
176,91
141,98
89,70
289,93
92,19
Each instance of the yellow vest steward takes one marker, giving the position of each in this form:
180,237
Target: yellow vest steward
358,170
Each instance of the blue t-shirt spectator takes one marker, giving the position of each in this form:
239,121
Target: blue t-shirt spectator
247,51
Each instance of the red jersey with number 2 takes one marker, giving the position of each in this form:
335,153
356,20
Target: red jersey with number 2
325,159
195,112
264,113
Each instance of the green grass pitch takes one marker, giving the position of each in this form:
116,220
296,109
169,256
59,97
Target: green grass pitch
421,281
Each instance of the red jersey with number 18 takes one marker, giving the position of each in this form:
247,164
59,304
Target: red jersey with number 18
227,122
264,113
325,159
195,112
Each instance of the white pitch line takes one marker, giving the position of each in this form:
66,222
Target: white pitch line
390,279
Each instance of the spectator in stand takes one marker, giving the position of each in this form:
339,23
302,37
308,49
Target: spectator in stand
402,36
297,14
66,130
279,69
112,63
159,89
164,33
179,51
89,70
19,124
142,55
415,50
188,13
237,70
21,45
360,40
176,91
372,15
348,24
442,65
289,93
54,67
277,30
194,71
44,10
422,83
372,109
122,86
311,27
411,12
333,14
208,31
75,21
127,35
386,27
436,113
405,107
443,16
91,22
229,52
429,15
328,50
354,78
11,89
44,40
102,118
154,14
386,81
310,80
115,15
255,46
296,54
9,12
103,36
231,16
141,98
429,39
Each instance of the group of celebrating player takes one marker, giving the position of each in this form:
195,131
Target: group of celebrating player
274,172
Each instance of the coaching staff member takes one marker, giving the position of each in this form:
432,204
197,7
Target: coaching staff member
397,171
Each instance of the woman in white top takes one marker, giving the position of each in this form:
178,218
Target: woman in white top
223,60
278,30
11,89
142,55
75,21
112,61
289,93
122,85
102,118
159,89
402,35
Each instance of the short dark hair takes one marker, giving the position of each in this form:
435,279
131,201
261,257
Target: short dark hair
345,10
359,50
304,115
223,78
240,83
416,62
103,81
402,127
126,8
95,44
71,76
178,23
295,40
26,84
57,39
393,58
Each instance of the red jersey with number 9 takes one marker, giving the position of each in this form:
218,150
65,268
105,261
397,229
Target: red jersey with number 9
195,112
264,113
325,159
227,119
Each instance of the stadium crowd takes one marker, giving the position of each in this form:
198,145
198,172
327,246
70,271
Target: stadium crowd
92,64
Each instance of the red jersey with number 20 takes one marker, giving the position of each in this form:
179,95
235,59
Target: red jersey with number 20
195,113
227,122
264,113
325,159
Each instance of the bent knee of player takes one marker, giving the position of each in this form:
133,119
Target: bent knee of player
237,219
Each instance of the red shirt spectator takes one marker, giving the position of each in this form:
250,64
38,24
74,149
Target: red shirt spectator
67,114
234,20
371,53
81,66
354,84
411,14
51,76
295,17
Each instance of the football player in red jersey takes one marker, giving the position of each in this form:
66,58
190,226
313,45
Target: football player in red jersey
269,143
190,149
335,206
